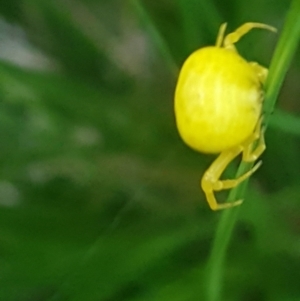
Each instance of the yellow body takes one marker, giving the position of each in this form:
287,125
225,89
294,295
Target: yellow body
218,102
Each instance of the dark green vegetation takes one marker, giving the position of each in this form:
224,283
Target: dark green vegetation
100,199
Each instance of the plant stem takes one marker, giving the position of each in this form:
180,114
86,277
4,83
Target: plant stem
281,60
282,57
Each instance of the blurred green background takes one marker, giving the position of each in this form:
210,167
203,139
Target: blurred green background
99,197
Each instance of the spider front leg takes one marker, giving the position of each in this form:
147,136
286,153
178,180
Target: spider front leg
220,36
235,36
211,179
261,71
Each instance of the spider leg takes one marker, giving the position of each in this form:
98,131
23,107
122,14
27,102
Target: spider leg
261,71
235,36
211,179
250,154
221,33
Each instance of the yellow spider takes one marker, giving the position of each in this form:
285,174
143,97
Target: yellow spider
218,108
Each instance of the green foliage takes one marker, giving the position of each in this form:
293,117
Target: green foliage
99,198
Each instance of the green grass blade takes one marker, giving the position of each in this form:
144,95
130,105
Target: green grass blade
282,57
155,36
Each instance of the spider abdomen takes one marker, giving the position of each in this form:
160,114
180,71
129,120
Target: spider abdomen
217,100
